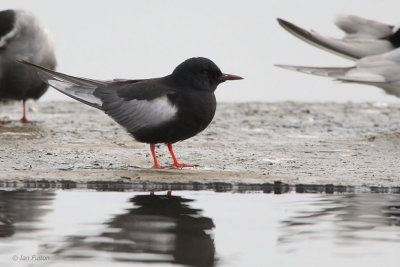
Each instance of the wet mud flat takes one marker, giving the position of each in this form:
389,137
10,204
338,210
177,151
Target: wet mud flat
254,143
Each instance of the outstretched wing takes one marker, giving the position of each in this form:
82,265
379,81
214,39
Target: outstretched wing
319,71
382,71
351,48
358,27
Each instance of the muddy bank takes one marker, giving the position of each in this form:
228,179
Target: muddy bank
307,143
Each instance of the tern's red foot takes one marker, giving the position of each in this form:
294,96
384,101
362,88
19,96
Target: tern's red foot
25,120
158,166
176,163
180,165
169,193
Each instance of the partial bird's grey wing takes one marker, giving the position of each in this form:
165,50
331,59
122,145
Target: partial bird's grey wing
319,71
353,74
370,32
389,88
7,26
138,104
358,27
382,71
350,48
80,89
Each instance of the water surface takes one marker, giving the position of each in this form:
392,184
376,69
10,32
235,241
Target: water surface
199,228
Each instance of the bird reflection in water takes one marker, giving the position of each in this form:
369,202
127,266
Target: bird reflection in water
21,210
162,229
351,219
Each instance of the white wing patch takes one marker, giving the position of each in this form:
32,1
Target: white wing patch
137,114
155,111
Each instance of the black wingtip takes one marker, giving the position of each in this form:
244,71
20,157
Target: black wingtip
292,28
395,38
285,24
24,62
280,20
32,65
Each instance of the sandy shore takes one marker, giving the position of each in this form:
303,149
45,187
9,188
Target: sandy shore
307,143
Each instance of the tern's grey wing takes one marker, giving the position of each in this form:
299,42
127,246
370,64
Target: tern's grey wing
349,48
138,104
7,26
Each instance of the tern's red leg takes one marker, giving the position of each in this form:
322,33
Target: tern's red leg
23,119
176,163
153,152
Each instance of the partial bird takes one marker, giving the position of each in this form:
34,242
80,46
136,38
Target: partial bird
159,110
382,71
363,37
22,37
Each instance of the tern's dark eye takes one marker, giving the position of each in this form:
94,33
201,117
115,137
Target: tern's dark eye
207,75
205,72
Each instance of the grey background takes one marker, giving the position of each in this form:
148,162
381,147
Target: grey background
143,39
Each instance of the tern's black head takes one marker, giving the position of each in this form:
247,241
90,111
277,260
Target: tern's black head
201,74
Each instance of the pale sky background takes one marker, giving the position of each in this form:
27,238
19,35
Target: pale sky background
144,39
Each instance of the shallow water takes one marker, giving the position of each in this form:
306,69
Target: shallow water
200,228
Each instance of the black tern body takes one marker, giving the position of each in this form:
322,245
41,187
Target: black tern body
160,110
22,37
